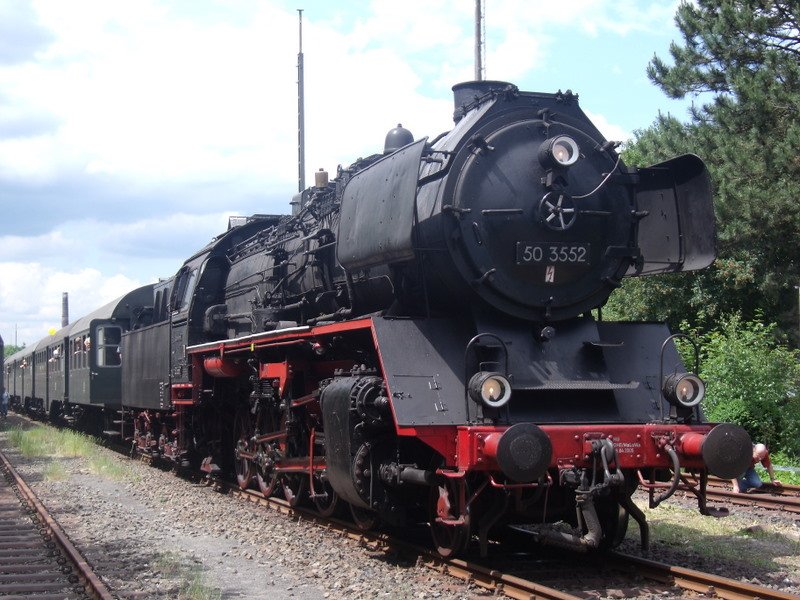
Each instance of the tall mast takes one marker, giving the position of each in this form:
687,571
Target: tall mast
479,42
64,309
301,134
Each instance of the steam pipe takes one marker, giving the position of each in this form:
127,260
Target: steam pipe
676,477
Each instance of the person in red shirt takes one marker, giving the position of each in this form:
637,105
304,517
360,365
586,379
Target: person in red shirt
750,479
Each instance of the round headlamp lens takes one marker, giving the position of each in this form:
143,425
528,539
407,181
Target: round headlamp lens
690,390
564,150
685,390
492,389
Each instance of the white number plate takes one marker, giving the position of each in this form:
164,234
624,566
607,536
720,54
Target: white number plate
530,253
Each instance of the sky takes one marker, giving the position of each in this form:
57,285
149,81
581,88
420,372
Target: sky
130,131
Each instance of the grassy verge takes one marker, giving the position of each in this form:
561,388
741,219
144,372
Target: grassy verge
108,466
738,538
42,441
192,582
55,471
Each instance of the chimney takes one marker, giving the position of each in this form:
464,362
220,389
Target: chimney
470,91
64,309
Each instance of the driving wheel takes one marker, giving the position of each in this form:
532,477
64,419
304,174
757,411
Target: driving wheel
449,517
243,433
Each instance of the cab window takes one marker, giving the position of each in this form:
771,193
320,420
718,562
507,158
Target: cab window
184,288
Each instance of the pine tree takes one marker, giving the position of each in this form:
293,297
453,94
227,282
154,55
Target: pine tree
740,60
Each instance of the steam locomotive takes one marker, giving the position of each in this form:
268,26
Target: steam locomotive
422,340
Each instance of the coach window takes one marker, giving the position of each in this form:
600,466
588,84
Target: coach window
107,350
55,355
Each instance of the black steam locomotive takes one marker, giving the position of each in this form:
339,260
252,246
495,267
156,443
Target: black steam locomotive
422,341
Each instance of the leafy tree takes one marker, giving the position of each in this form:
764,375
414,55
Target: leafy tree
753,380
742,58
11,349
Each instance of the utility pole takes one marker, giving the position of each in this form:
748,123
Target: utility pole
479,42
301,134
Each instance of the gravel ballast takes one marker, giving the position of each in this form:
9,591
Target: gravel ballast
152,535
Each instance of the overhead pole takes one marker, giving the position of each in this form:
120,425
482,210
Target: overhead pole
479,41
301,133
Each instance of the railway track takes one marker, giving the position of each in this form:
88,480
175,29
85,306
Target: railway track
527,575
37,560
785,497
520,576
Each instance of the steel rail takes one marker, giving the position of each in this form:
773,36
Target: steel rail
490,579
518,587
785,489
773,497
768,501
697,581
91,582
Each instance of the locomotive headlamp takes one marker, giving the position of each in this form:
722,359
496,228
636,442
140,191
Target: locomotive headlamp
492,389
560,151
684,389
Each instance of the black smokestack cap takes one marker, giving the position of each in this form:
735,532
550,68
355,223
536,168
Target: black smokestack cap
467,92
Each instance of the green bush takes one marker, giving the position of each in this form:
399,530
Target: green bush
782,459
752,379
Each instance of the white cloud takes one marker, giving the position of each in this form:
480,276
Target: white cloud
17,247
31,297
30,291
161,116
609,130
140,92
592,17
